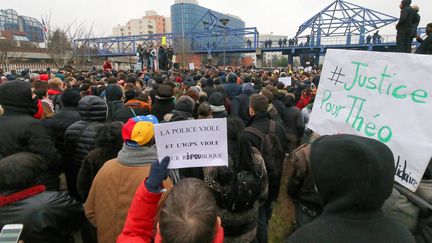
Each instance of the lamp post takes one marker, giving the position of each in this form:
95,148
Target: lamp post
224,22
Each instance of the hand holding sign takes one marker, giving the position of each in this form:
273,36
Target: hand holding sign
194,143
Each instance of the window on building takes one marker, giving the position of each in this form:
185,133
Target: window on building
140,22
150,32
150,26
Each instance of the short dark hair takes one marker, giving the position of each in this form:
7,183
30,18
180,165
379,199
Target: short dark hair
189,213
259,103
20,171
429,25
204,110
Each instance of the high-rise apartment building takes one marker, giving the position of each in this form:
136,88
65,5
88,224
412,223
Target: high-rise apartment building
151,23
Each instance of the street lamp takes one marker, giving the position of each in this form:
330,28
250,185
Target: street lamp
224,22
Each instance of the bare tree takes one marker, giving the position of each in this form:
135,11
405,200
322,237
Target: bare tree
59,43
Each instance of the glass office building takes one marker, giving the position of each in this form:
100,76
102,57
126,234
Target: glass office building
11,21
185,17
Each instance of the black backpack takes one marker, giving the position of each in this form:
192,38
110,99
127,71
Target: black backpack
244,192
273,154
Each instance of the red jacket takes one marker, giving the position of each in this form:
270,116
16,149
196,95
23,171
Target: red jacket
139,225
303,102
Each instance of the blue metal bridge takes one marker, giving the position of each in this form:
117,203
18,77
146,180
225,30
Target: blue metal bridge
339,25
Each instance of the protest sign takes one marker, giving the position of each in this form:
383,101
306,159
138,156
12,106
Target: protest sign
191,66
384,96
164,41
194,143
285,80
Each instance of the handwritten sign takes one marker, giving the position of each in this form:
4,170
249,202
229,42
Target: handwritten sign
194,143
164,41
191,66
285,80
384,96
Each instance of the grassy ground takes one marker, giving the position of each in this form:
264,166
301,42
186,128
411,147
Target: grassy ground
281,224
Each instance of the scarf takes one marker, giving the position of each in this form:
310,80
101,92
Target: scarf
217,108
137,156
21,195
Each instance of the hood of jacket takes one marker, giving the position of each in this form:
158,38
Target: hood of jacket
16,96
354,175
137,156
93,108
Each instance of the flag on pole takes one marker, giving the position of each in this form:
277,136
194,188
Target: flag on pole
45,28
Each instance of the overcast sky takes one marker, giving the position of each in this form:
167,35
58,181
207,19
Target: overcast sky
277,16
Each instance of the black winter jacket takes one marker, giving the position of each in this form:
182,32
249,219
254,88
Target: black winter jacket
240,107
113,107
48,217
58,124
80,137
20,132
406,20
353,176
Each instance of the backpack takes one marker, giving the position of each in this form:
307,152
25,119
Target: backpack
273,154
244,192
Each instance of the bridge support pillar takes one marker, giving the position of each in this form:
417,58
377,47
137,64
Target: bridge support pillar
291,59
259,57
317,58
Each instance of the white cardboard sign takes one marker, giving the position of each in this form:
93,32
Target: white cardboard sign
191,66
384,96
193,143
285,80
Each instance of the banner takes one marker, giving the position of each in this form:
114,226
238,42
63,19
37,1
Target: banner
194,143
285,80
384,96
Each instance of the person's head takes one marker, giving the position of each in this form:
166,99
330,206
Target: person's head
268,94
189,213
352,173
18,96
405,3
165,92
20,171
232,78
217,101
110,138
258,104
40,85
113,92
139,131
429,29
70,98
92,108
185,104
289,100
204,111
415,7
55,83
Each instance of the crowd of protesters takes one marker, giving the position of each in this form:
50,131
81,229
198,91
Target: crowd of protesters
78,158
